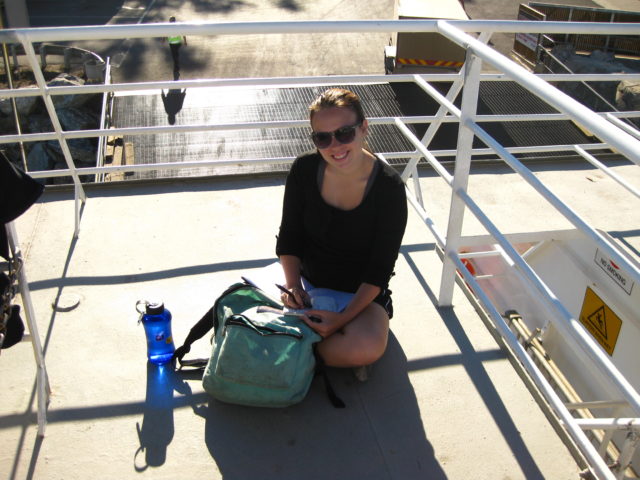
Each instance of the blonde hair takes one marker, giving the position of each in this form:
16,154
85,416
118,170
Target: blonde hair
337,97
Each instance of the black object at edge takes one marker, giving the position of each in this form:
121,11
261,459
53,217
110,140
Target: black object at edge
321,369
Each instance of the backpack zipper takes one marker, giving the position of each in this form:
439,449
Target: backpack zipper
259,329
232,289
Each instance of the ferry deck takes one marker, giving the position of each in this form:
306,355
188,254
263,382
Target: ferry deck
456,395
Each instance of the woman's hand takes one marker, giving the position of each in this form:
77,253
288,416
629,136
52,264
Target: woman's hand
299,300
324,322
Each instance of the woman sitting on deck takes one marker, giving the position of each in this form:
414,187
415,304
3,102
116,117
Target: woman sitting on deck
344,215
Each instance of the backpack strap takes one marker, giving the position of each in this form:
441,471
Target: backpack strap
200,329
321,369
195,363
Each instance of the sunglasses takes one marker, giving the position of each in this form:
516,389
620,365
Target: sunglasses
343,135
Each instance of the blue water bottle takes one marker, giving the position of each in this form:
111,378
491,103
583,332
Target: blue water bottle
157,327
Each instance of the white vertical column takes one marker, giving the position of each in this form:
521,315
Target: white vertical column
42,379
461,175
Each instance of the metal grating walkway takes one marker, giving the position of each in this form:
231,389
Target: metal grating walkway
230,105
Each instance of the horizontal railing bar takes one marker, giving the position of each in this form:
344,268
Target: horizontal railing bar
390,155
490,253
45,136
587,77
537,117
289,82
487,276
144,167
609,424
563,77
485,151
282,82
596,404
150,30
607,171
520,237
179,165
624,126
122,131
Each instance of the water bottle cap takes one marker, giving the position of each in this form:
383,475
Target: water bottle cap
155,308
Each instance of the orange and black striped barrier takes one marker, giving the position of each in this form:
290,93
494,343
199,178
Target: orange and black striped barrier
429,63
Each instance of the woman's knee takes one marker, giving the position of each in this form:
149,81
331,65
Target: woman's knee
354,353
369,351
361,342
368,344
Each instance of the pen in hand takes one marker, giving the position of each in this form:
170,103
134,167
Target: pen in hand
289,292
306,303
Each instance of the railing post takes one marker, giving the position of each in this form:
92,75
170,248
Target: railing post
43,389
417,191
43,55
14,54
461,175
67,59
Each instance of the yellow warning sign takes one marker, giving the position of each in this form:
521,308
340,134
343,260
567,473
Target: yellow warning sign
600,320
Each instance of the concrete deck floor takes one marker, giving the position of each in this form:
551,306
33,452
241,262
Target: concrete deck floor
444,401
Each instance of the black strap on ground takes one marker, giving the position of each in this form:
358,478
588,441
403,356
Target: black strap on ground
195,363
321,369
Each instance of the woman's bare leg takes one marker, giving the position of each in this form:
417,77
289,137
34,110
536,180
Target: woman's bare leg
361,342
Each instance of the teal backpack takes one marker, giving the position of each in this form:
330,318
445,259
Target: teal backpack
258,358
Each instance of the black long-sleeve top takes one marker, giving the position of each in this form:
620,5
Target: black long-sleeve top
341,249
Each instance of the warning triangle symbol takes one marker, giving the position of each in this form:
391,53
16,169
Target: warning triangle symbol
598,321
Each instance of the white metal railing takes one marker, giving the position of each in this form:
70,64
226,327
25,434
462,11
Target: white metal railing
606,126
104,118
